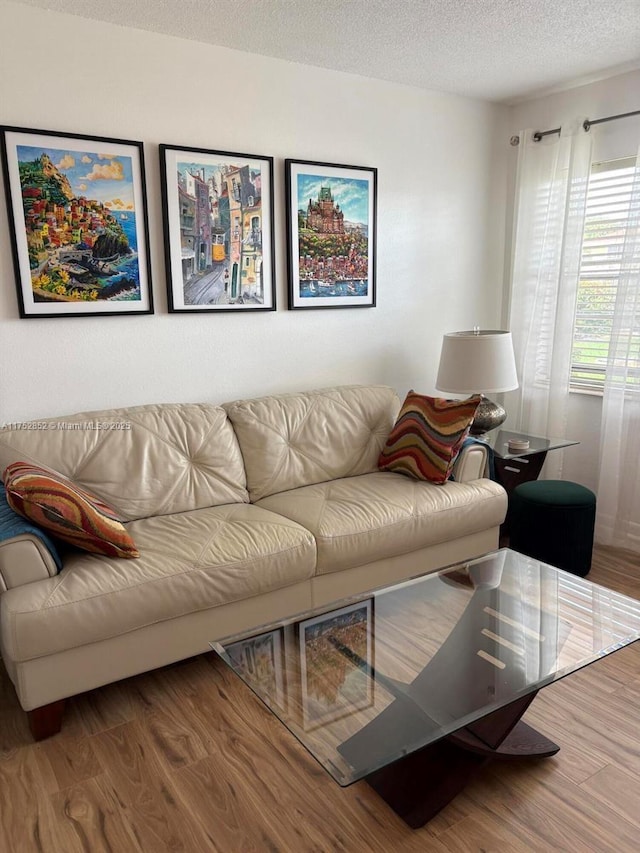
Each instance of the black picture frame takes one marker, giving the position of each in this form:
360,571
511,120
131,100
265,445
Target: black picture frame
331,212
77,210
218,230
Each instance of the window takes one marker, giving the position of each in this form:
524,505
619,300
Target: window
608,217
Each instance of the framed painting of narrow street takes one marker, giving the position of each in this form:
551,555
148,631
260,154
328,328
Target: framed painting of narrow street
331,235
78,220
218,230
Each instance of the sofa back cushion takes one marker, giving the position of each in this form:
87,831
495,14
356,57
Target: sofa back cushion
292,440
142,461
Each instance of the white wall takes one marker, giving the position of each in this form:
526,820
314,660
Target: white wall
440,217
612,140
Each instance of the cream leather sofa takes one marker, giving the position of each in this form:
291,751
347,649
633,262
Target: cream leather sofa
243,514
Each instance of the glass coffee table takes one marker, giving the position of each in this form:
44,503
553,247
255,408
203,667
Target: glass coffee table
415,686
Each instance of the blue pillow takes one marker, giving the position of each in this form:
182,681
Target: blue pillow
12,524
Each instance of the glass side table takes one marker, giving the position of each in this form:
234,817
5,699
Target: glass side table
521,466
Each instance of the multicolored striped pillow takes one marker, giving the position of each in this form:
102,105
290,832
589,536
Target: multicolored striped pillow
427,437
66,511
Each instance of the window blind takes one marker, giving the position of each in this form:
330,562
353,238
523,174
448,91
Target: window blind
608,217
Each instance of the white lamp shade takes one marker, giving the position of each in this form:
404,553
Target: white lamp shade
477,362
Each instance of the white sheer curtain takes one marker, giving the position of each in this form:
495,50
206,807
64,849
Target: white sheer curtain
551,188
551,191
618,506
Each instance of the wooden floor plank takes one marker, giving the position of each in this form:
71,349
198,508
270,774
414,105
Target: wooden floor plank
480,833
100,710
90,816
550,813
27,820
71,758
619,790
128,754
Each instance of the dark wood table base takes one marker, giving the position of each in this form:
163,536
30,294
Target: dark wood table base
419,785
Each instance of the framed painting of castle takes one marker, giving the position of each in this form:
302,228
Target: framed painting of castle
331,235
78,218
218,230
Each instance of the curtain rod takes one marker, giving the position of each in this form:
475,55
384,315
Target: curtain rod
586,124
537,136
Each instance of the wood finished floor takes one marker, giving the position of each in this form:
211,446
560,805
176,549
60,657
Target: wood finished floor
187,759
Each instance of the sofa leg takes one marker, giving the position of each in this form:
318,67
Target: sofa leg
46,720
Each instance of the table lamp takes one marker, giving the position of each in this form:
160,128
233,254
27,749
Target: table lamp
475,362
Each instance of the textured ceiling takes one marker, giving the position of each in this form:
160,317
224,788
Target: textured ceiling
502,50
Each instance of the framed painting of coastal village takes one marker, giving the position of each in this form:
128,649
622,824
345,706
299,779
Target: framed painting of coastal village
331,235
78,218
218,228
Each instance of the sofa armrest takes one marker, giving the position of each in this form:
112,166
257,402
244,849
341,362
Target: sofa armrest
24,559
471,463
27,553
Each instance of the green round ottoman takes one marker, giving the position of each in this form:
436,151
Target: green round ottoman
553,521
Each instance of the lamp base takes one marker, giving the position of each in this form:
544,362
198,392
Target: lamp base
488,416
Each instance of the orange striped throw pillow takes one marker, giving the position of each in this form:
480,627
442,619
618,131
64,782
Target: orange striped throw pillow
67,511
427,437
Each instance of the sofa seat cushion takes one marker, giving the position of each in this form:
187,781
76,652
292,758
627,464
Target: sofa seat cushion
357,520
188,562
